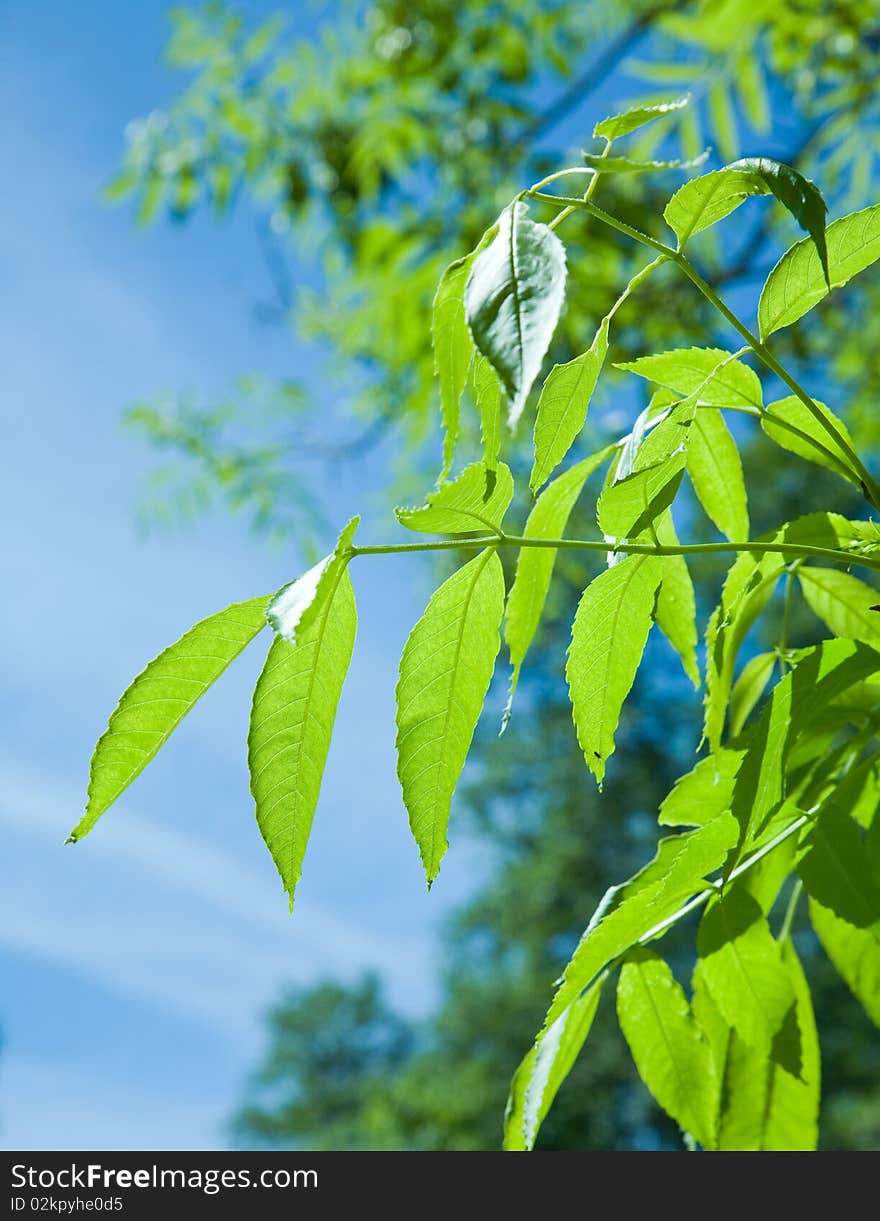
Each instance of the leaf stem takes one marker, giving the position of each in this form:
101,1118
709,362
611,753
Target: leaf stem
795,550
785,931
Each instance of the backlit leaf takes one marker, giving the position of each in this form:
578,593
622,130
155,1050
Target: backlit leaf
156,702
722,380
797,282
298,604
715,470
624,165
748,689
563,404
475,501
846,605
667,1045
610,630
445,672
676,605
855,953
791,424
622,124
292,717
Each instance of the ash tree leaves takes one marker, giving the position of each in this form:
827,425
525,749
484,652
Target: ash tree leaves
563,405
609,634
855,953
846,605
704,201
156,702
791,424
475,501
797,283
297,605
445,672
534,565
294,707
513,299
630,120
672,1056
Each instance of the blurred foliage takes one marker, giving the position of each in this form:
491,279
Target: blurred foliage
374,151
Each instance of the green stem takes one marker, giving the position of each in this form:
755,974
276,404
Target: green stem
588,194
785,931
795,550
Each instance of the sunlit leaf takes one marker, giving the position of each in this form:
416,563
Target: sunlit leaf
156,702
292,717
790,423
846,605
749,688
797,282
622,124
563,404
855,953
444,675
474,501
513,299
300,603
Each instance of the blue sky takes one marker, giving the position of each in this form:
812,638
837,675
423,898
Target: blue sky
137,964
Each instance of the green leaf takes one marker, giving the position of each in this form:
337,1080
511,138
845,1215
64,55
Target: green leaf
723,119
159,698
835,867
541,1073
676,609
475,501
300,603
534,565
630,911
820,676
669,1050
622,124
743,969
445,672
452,349
563,404
487,396
798,194
846,605
797,282
624,165
721,379
762,1106
855,953
513,299
292,717
610,630
706,200
704,792
792,425
453,346
749,688
715,470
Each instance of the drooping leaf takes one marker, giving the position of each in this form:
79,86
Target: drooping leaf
445,672
823,673
761,1105
292,717
629,912
545,1067
855,953
624,165
534,565
487,395
667,1045
791,424
715,470
742,966
475,501
749,688
798,194
159,698
633,504
622,124
835,867
797,282
513,299
704,201
563,404
610,630
453,349
299,604
676,609
703,793
722,380
846,605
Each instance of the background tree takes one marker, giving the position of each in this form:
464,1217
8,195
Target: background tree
385,144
